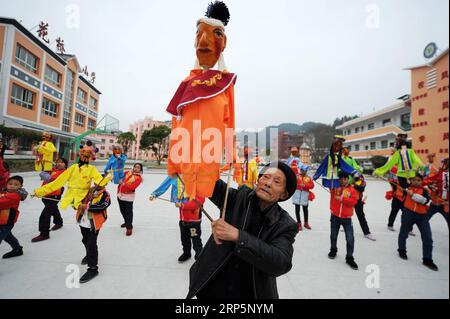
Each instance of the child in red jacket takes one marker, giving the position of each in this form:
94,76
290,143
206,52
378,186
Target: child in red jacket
302,195
342,203
190,228
126,195
9,213
51,203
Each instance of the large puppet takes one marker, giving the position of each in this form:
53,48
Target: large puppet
333,164
405,159
203,110
44,153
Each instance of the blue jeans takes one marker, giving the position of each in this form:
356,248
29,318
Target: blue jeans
409,218
347,224
437,209
6,235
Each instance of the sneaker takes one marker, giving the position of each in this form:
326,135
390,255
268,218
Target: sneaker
184,257
430,264
402,254
122,226
351,262
307,226
391,228
84,261
370,237
14,253
89,275
299,226
412,234
40,238
56,227
129,232
332,254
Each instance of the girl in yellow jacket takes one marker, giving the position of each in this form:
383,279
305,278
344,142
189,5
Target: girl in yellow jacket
44,153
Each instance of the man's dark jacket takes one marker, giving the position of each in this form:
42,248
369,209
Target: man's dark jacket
269,254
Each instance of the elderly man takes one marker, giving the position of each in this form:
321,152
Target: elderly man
253,244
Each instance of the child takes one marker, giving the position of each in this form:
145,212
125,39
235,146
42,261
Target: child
415,212
190,217
9,213
342,203
302,195
126,195
51,203
117,163
90,217
439,185
360,186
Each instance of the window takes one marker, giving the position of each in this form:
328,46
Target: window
362,129
386,122
79,119
81,95
384,144
103,140
356,147
102,148
22,97
371,126
52,76
405,121
366,147
26,59
356,130
92,102
49,108
373,145
111,141
91,124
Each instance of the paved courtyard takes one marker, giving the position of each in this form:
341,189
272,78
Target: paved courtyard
145,265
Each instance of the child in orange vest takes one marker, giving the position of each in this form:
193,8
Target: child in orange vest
90,218
9,213
342,204
51,203
126,195
415,208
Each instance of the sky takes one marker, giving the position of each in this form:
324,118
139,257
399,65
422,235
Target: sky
296,60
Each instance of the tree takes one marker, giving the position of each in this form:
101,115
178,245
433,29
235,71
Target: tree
126,139
155,140
341,120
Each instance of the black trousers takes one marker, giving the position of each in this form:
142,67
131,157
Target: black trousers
191,232
396,206
305,213
359,210
90,243
126,209
50,210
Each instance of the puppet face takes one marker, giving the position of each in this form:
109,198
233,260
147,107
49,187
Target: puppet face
46,136
431,158
343,181
210,42
345,151
294,152
117,152
60,164
337,146
401,140
85,155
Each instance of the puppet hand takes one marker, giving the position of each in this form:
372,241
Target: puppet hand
224,231
152,198
178,205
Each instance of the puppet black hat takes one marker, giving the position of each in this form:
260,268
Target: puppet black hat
217,14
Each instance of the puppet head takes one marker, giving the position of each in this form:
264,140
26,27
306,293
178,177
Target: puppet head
117,150
46,136
345,151
294,151
85,155
338,143
401,140
211,41
431,158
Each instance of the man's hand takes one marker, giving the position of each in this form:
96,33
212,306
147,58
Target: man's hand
222,231
339,198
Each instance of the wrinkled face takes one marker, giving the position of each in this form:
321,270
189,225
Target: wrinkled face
210,42
13,185
343,181
272,186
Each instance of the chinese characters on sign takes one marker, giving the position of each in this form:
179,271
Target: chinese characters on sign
60,46
92,75
43,31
